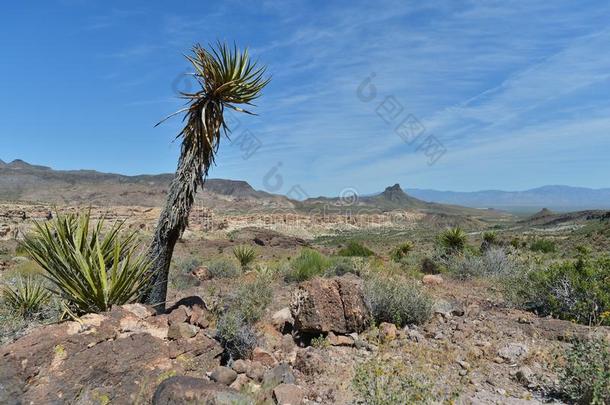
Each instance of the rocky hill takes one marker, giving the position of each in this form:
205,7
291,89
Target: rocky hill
25,182
22,181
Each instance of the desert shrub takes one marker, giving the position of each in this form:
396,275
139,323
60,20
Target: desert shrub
515,243
26,297
572,290
90,269
382,382
453,240
465,267
494,262
585,377
223,268
341,266
251,299
308,264
235,330
245,255
402,251
236,335
182,278
543,246
397,301
429,266
188,265
498,263
355,249
266,271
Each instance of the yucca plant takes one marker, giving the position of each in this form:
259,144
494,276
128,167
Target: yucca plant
91,269
401,251
227,77
26,297
245,255
490,238
453,240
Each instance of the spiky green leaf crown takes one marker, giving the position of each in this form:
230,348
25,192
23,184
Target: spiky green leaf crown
227,77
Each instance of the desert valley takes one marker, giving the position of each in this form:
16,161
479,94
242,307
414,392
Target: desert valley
293,301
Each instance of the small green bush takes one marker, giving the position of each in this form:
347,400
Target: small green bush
397,301
341,266
382,382
585,377
223,268
355,249
543,246
26,297
91,269
453,240
188,265
572,290
429,266
245,255
308,264
401,252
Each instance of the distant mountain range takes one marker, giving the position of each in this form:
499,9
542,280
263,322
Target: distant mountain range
23,181
557,198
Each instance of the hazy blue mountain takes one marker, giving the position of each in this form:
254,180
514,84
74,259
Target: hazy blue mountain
557,198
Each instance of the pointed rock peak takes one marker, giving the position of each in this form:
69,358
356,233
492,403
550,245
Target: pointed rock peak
393,189
545,212
394,193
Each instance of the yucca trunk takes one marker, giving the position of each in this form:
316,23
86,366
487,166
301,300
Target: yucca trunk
173,221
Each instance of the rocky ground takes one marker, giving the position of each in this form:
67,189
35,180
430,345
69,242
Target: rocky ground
474,350
312,341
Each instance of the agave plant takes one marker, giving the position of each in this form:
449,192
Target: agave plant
453,240
90,269
245,255
227,78
26,297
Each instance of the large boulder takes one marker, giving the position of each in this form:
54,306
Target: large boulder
117,357
325,305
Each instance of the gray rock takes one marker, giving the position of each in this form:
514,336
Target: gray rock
240,366
256,371
223,375
282,319
280,374
513,352
288,394
186,390
181,330
447,309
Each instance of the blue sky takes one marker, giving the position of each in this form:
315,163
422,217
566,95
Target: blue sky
516,94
